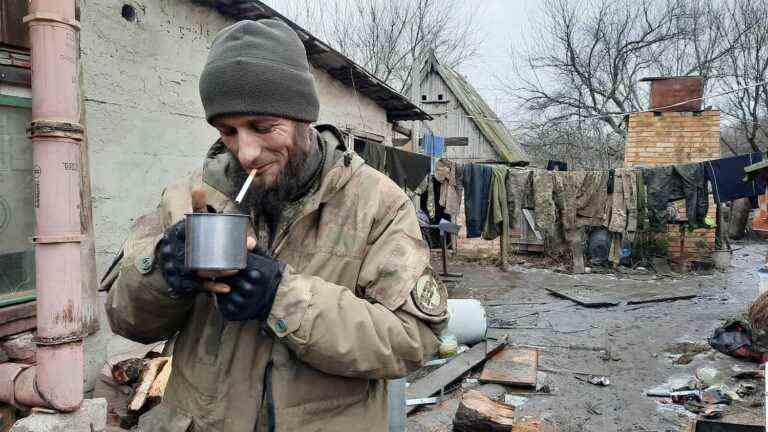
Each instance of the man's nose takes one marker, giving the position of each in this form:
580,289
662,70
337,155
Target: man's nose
249,150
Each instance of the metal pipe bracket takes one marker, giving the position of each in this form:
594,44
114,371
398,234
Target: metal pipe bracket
58,340
64,238
51,17
56,129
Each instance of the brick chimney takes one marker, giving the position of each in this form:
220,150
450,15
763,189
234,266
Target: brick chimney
673,135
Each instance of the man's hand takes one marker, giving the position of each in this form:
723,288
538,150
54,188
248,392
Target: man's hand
211,277
251,291
170,253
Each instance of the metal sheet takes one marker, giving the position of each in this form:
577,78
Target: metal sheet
631,293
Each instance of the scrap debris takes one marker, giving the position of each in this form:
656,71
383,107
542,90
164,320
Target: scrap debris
597,380
133,386
438,379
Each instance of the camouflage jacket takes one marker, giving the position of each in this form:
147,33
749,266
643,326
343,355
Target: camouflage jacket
356,305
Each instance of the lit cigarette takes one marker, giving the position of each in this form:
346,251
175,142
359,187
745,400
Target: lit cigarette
245,187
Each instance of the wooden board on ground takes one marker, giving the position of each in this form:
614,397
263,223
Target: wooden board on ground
449,372
512,366
627,292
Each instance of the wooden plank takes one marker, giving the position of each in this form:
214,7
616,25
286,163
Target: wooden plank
18,326
15,75
528,213
512,366
18,311
456,141
456,367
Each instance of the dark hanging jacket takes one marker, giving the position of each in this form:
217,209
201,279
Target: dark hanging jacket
672,183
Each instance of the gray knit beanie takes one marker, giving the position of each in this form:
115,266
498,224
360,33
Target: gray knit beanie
260,68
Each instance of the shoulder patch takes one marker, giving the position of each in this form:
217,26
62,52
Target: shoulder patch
430,295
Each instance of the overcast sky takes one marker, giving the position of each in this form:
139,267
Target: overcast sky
505,23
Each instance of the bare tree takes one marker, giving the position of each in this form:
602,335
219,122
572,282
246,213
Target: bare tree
586,144
747,64
389,37
584,58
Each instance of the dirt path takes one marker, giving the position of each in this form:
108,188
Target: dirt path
637,338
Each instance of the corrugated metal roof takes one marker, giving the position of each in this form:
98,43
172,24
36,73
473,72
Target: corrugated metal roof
494,130
340,67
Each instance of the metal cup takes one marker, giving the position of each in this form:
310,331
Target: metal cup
215,241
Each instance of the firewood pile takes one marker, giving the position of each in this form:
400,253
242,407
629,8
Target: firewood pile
133,386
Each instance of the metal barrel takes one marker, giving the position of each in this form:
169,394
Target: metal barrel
215,241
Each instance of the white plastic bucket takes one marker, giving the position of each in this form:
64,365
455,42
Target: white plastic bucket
467,321
762,274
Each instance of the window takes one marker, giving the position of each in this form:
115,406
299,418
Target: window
423,97
17,216
440,97
12,30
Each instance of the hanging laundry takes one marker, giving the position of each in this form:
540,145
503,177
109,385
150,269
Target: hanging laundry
727,178
477,187
629,178
566,196
374,154
642,203
498,211
520,187
407,169
544,205
672,183
448,173
554,165
434,145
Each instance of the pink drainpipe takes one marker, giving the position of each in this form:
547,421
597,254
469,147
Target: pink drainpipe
57,379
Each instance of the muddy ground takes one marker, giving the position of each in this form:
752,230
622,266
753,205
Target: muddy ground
642,342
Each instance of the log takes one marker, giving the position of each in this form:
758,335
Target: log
148,376
477,412
128,371
157,390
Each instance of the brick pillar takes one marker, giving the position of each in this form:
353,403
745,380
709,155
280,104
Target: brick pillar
668,138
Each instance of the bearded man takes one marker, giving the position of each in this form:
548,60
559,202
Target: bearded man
338,295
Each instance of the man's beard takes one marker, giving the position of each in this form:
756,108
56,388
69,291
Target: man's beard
271,200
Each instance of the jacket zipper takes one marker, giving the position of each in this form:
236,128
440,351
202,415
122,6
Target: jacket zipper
268,398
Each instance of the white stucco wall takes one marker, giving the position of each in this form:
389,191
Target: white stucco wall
144,121
342,106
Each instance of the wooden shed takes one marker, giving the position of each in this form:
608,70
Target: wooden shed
472,131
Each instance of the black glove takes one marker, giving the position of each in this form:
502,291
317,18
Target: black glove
170,252
252,290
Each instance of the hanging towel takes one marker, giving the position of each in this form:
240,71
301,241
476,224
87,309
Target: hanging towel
727,178
477,186
375,155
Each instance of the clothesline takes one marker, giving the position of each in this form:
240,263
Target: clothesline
620,114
